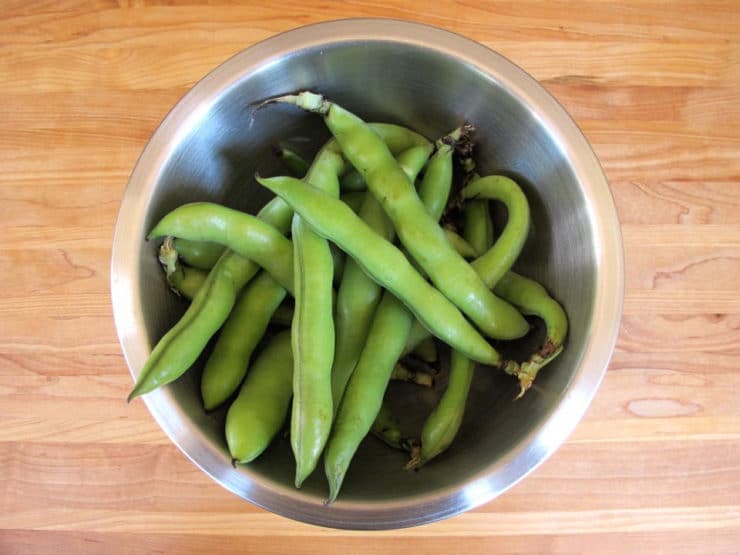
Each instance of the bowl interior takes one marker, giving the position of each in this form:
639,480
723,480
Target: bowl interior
215,156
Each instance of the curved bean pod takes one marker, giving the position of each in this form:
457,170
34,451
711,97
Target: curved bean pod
533,299
529,296
257,414
526,294
179,348
499,258
244,234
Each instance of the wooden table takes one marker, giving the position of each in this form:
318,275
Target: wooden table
654,466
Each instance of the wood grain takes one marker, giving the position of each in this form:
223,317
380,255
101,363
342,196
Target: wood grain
654,467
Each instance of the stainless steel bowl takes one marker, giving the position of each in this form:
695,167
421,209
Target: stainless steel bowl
208,148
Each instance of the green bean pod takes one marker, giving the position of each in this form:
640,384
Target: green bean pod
443,423
186,281
418,231
533,299
228,362
358,294
257,414
397,139
183,280
313,333
524,293
530,297
294,162
198,254
478,230
313,349
385,263
361,402
499,258
179,348
435,186
242,233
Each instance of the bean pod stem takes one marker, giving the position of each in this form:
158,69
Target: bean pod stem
184,280
257,414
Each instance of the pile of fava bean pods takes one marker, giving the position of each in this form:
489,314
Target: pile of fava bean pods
345,276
